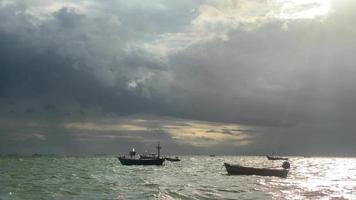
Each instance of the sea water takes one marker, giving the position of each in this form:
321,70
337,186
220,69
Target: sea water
195,177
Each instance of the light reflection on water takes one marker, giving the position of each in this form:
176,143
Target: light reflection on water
196,177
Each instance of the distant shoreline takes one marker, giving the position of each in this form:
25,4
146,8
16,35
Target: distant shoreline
191,155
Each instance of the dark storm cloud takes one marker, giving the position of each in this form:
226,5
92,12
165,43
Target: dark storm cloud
298,76
291,78
50,61
28,75
68,65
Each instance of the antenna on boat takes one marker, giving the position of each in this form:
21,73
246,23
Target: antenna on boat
158,150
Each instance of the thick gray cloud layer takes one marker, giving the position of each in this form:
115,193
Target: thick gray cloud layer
289,74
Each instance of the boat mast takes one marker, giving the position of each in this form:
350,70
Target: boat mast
159,150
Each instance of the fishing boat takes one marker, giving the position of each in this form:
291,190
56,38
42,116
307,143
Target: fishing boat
176,159
241,170
276,158
131,159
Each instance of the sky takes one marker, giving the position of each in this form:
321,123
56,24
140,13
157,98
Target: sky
204,76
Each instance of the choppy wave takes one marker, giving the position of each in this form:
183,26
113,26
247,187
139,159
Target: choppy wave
193,178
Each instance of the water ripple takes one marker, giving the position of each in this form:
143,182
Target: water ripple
192,178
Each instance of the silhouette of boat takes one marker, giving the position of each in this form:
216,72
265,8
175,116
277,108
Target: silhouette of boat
176,159
276,158
133,160
212,155
240,170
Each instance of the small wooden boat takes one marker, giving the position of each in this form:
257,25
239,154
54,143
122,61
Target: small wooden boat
240,170
133,160
176,159
275,158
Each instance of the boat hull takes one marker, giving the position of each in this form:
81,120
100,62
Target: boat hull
173,159
147,157
276,158
132,161
240,170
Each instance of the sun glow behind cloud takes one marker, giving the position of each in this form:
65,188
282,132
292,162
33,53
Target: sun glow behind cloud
205,134
195,133
306,9
216,19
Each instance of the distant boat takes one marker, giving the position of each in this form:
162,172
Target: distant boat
240,170
133,160
212,155
176,159
276,158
